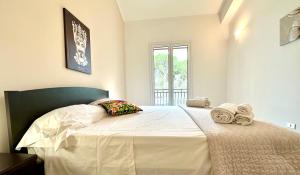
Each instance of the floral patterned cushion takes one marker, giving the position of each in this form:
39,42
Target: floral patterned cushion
119,107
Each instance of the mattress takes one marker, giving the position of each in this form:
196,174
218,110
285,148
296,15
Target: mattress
157,141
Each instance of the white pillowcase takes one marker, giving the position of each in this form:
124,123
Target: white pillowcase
97,102
54,125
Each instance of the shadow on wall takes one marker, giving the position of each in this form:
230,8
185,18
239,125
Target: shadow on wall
3,127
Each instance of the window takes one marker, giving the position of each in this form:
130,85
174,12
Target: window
170,72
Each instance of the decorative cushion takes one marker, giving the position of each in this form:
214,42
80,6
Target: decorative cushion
119,107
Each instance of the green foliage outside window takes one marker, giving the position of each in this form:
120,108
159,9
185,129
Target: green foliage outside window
161,72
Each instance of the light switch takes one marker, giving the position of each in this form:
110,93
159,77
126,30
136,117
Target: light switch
291,125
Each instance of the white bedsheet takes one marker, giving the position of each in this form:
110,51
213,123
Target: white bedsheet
157,141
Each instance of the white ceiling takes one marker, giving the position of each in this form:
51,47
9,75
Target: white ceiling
132,10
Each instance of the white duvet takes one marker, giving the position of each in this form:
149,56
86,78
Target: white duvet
157,141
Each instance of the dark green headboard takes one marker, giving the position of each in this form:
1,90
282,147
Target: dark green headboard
23,107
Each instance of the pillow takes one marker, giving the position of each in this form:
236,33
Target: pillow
119,107
46,130
81,114
99,101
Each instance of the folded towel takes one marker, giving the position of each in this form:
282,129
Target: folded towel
224,113
198,102
244,119
201,98
244,109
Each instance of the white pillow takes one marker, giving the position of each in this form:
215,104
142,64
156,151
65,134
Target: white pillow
81,114
46,129
97,102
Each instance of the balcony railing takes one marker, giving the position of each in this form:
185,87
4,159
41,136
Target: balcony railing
161,97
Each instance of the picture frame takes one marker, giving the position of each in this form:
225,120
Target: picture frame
290,27
77,44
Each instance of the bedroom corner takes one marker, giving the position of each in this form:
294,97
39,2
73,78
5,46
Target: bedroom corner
33,51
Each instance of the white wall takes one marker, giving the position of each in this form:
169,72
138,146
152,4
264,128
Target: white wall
208,50
260,71
32,48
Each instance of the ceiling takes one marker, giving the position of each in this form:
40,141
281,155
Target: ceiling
132,10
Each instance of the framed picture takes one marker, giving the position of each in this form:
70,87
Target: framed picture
77,44
290,27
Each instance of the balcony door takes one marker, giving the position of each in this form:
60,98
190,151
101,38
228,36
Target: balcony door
170,72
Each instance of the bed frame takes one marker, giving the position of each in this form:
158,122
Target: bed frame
23,107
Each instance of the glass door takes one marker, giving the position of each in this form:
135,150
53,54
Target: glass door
170,74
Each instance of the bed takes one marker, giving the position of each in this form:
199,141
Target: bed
163,141
157,141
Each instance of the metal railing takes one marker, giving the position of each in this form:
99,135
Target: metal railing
161,97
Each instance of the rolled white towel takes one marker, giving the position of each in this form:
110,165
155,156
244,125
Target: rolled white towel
198,102
244,119
224,113
244,109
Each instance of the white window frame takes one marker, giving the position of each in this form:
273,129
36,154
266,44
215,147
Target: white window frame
170,46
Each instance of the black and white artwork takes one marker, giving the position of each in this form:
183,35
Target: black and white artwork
290,27
77,44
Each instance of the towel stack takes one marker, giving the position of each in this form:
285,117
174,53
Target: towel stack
231,113
200,102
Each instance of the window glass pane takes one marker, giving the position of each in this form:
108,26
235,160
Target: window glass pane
161,79
180,74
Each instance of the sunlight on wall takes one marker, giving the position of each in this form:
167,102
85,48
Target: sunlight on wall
112,86
241,30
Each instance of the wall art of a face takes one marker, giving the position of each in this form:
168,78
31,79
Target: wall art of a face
77,44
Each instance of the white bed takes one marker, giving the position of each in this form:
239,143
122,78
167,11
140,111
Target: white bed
157,141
